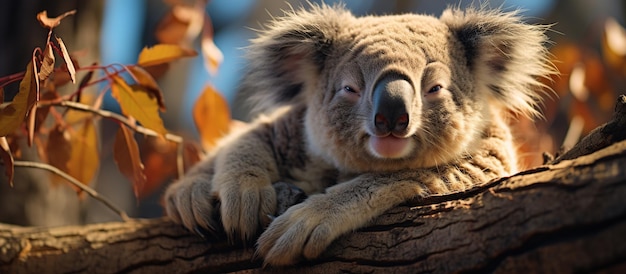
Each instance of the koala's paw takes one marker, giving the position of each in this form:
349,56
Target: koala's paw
247,204
189,202
303,231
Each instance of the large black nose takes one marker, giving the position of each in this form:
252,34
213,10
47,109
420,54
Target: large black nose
392,99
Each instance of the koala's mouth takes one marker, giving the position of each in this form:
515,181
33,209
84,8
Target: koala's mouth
390,147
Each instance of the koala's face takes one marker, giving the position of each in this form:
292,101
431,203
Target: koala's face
398,94
385,93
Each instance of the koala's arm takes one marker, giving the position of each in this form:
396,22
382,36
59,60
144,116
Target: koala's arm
239,175
306,229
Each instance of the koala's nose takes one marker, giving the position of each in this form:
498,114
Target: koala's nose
392,99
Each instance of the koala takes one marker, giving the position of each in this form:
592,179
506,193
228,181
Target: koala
364,114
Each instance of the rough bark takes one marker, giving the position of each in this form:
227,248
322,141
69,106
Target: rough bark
569,216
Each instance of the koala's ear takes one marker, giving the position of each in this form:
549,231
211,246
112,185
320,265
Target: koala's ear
506,55
292,50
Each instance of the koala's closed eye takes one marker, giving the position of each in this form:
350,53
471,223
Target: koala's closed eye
435,88
350,89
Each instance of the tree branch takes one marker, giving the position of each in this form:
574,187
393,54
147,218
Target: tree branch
568,217
111,115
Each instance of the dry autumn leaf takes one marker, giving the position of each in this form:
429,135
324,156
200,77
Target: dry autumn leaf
212,55
51,23
191,155
159,159
42,112
47,64
211,116
135,101
32,117
69,64
172,28
146,80
59,147
162,53
127,158
12,114
84,158
7,159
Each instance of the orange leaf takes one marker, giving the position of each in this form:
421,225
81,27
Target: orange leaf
211,116
59,147
32,117
12,114
47,64
135,101
84,160
171,29
42,112
212,55
162,53
191,155
7,159
157,71
146,80
68,60
50,23
127,158
159,158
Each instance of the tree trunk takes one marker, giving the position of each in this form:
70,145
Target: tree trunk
569,216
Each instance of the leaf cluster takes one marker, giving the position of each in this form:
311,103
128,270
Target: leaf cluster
63,127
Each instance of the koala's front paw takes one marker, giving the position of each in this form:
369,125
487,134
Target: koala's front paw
189,202
305,230
247,203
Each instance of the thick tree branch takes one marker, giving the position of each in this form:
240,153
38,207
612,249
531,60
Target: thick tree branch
566,217
569,216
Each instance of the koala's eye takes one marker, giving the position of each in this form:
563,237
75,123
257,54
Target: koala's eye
435,89
349,89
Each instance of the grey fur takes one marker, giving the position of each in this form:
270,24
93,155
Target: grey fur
313,72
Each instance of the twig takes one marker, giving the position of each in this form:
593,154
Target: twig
111,115
122,119
91,192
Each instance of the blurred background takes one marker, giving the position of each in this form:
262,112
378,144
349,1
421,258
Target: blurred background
588,48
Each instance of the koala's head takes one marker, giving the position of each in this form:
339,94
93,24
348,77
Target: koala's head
390,92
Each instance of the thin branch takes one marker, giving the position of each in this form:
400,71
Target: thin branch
111,115
91,192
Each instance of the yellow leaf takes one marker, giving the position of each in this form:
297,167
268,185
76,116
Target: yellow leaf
211,116
7,158
12,114
84,160
146,80
68,60
135,101
127,158
50,23
162,53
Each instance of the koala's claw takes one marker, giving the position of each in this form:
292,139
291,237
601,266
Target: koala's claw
303,231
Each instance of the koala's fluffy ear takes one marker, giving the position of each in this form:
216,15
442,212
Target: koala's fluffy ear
505,55
292,50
